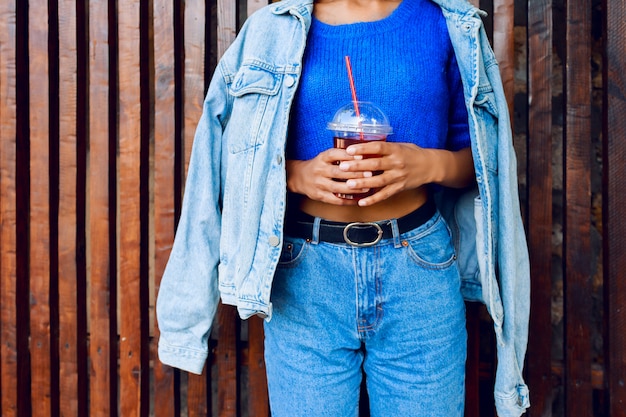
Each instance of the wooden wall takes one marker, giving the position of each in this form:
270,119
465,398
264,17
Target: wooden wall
98,104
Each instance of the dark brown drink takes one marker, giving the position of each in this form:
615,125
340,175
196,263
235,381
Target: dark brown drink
343,143
359,122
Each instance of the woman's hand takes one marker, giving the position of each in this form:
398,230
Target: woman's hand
404,166
321,179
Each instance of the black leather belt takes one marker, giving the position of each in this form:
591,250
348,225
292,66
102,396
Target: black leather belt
357,233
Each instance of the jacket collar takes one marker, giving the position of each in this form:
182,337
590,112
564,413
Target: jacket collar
461,7
298,7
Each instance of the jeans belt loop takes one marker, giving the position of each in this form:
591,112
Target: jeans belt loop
315,233
379,232
395,230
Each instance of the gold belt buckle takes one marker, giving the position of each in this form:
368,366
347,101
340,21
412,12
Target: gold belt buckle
379,231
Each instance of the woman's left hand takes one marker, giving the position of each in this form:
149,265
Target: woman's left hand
406,166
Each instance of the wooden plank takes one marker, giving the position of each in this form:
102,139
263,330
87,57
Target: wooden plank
597,374
129,206
504,45
614,227
82,145
258,404
539,176
226,25
194,44
577,212
472,376
66,238
164,154
100,269
39,214
226,354
254,5
198,403
8,215
194,24
228,321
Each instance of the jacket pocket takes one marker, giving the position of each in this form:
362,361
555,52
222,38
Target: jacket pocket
486,101
486,111
255,88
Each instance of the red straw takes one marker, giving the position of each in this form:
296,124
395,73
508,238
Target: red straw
353,90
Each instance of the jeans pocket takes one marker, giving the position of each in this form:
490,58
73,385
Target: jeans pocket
432,249
292,253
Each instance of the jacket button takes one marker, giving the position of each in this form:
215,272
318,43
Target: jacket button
289,81
274,240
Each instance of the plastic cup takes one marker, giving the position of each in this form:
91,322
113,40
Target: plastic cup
351,126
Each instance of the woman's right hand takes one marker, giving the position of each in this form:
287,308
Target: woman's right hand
320,178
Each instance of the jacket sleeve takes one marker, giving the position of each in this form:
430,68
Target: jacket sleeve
511,392
188,295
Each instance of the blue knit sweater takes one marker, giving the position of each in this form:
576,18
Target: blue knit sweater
404,63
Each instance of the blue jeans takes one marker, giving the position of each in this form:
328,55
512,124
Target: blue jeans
393,311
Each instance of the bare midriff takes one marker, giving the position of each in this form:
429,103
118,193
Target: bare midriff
395,206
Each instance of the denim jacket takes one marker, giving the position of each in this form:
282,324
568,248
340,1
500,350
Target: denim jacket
229,237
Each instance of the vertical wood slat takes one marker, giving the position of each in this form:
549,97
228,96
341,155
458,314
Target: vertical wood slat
539,174
194,44
67,218
258,404
504,45
82,117
614,228
226,25
226,352
193,96
577,214
39,213
8,215
129,232
164,153
197,394
472,380
227,357
254,5
100,268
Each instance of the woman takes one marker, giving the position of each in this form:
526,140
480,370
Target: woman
350,286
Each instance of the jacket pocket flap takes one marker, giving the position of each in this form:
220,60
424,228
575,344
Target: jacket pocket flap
255,79
486,99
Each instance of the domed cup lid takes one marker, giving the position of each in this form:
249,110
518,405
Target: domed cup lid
370,119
